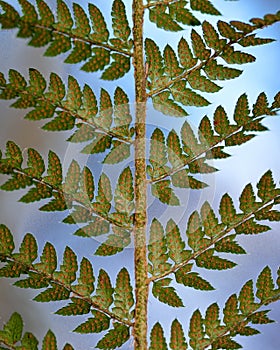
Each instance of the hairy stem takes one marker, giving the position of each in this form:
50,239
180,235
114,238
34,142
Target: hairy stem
140,184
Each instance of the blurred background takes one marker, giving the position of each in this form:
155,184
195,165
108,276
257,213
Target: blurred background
247,164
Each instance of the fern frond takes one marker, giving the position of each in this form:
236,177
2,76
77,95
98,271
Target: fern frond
207,234
74,192
85,42
199,67
69,108
211,143
239,313
63,283
12,333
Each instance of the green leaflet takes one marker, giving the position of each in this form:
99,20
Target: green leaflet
216,71
166,294
124,192
104,196
118,68
37,83
81,21
229,245
266,186
186,96
122,114
99,59
95,228
119,21
28,250
72,179
192,279
98,24
194,232
174,149
158,153
185,54
64,19
162,19
116,337
196,331
174,242
204,6
6,240
157,249
199,82
104,290
265,285
118,153
74,94
123,295
172,68
199,47
165,193
54,170
167,106
247,199
99,323
177,339
246,298
77,307
227,210
54,293
48,259
115,242
209,221
86,280
154,60
12,330
208,260
212,321
157,338
181,14
46,15
67,273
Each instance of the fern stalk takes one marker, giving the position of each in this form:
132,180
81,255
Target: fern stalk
140,185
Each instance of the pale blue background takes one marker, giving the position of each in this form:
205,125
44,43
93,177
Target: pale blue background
247,164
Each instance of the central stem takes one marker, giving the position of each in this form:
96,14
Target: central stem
140,184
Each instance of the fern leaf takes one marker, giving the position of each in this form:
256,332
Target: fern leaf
186,96
98,24
212,322
28,250
119,21
229,245
72,179
204,6
104,290
185,54
54,170
118,68
49,341
48,259
157,249
99,323
123,297
86,280
162,19
81,21
196,331
194,232
115,338
265,285
208,260
122,114
114,243
165,294
154,60
216,71
227,210
157,338
56,292
209,220
77,307
68,269
199,47
64,19
174,242
164,192
124,192
12,330
266,186
177,339
172,68
246,299
174,149
201,83
193,280
46,15
158,152
231,312
118,153
6,240
74,94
